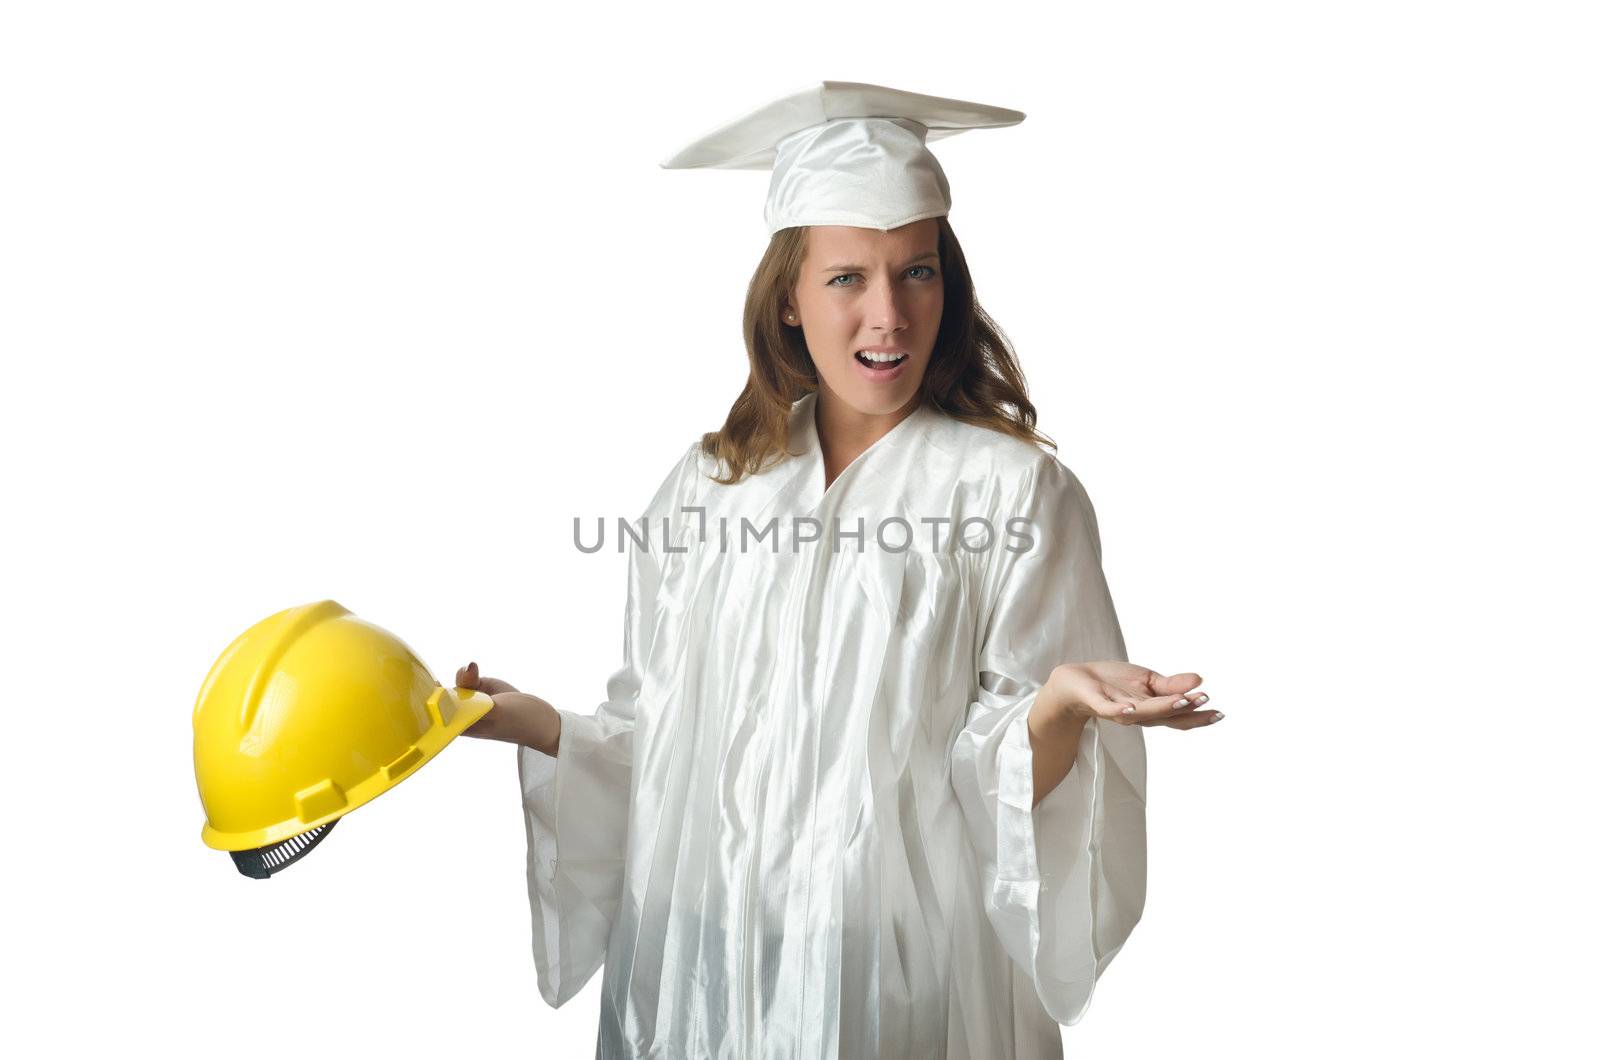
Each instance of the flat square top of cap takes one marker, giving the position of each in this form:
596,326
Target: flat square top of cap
751,142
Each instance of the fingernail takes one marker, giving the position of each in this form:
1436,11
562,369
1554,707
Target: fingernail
1127,710
1214,719
1181,703
1201,698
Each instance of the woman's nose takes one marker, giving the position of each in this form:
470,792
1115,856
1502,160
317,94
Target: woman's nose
887,314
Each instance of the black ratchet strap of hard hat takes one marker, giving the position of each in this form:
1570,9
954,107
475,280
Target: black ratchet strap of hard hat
262,862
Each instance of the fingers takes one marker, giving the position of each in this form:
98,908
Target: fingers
467,676
1164,709
1193,719
1176,685
494,725
1138,712
1196,699
502,722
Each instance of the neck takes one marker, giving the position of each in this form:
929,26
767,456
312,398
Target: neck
844,433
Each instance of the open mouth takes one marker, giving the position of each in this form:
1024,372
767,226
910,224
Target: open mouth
880,362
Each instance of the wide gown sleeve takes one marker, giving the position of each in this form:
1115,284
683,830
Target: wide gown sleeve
576,804
1063,883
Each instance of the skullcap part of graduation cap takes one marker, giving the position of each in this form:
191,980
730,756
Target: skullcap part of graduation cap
845,153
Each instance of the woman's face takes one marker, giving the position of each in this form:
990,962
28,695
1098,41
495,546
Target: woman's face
880,292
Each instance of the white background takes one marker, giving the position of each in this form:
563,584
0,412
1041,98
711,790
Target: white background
368,301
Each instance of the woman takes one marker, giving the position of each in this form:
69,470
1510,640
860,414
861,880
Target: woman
871,779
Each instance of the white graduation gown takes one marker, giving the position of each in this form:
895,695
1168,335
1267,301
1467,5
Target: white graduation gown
800,825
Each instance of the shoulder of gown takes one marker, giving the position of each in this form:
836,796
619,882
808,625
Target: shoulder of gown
682,485
1017,468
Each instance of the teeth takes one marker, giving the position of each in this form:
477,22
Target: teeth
880,358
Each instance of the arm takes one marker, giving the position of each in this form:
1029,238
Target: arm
1053,735
1054,807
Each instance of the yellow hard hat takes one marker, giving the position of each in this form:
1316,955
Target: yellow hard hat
307,715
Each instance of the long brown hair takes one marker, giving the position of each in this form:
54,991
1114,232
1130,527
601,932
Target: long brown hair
972,376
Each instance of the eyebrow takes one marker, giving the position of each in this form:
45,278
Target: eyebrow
863,268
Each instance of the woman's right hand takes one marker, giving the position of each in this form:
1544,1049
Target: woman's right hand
516,718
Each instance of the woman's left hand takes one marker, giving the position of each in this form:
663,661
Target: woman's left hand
1128,694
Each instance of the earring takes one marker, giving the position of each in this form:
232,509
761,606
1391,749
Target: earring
790,318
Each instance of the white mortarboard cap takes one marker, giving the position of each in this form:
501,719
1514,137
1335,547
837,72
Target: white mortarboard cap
845,153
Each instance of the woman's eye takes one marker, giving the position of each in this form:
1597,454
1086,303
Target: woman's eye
927,270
